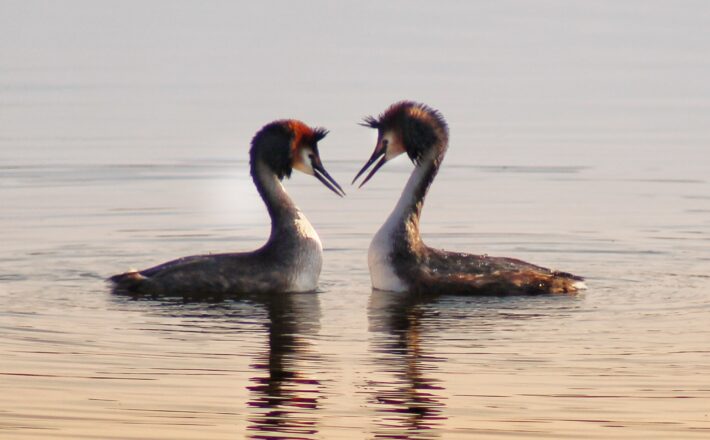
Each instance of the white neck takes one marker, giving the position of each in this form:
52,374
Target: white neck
290,229
402,224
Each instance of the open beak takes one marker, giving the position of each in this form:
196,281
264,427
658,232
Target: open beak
321,174
379,153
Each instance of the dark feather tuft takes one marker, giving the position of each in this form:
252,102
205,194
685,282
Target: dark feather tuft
319,133
401,113
371,122
271,145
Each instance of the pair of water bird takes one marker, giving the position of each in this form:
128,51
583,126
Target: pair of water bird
398,259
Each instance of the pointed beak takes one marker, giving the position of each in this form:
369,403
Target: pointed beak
321,174
379,153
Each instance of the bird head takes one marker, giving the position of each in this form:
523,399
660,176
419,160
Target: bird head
290,144
405,127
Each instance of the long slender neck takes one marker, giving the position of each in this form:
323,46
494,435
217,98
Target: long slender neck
405,216
282,210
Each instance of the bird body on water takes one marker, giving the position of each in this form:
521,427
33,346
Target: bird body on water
399,260
291,259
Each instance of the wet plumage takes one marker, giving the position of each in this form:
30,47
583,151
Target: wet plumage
291,259
398,258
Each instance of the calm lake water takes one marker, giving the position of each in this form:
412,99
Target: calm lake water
580,141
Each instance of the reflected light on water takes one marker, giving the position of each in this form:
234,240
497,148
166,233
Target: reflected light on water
285,393
579,141
408,399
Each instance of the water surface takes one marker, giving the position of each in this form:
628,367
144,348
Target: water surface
579,141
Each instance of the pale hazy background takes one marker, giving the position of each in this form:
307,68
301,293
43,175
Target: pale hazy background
543,82
580,134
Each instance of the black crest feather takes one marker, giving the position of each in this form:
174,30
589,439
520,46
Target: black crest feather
370,121
271,145
420,126
319,133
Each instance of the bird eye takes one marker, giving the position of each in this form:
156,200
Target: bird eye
385,142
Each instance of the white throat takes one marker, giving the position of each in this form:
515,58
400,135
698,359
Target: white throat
382,273
304,272
310,256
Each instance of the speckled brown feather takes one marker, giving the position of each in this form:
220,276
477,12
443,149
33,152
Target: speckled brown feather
427,270
271,268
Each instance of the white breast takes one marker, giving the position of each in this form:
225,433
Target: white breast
310,257
382,272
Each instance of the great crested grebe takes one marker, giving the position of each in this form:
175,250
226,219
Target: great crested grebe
398,258
291,259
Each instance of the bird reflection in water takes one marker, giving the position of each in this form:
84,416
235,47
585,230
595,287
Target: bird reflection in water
284,393
283,396
408,405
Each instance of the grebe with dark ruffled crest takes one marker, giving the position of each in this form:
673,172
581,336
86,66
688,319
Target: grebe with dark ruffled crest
291,259
398,258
